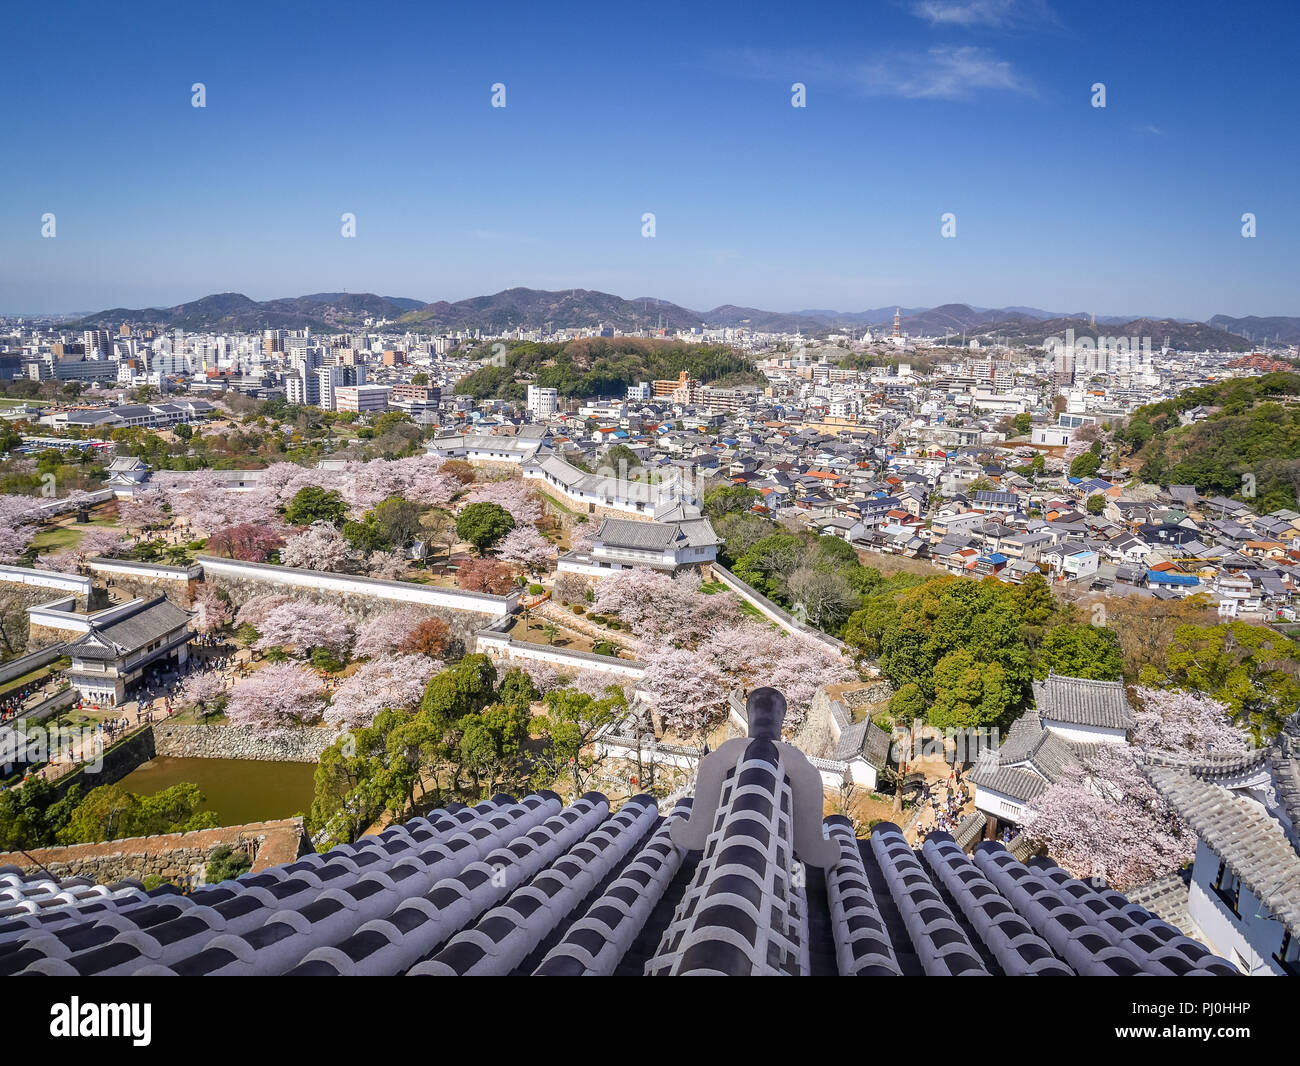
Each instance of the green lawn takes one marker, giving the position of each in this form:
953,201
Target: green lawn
58,538
26,679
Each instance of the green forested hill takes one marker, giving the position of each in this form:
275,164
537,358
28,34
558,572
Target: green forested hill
1250,443
597,366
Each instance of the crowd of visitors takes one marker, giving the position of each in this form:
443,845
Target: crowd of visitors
947,802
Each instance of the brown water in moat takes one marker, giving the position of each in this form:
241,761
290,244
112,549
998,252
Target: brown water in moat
239,790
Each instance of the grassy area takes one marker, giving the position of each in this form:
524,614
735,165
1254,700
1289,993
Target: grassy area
556,503
8,401
37,675
59,538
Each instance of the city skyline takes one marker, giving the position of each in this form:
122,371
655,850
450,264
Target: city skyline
982,110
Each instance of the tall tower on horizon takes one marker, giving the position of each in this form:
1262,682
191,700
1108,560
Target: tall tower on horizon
897,323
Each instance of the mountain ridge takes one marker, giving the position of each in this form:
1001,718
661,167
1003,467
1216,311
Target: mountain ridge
525,308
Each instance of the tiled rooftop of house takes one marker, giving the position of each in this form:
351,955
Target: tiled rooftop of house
747,877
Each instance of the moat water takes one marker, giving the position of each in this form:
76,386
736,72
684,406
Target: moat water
239,790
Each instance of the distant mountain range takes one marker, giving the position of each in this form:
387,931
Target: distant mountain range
577,308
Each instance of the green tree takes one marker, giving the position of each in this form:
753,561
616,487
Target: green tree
365,536
569,726
492,746
311,503
483,524
33,816
398,520
225,864
1085,465
1096,503
620,458
459,690
970,693
1253,669
908,704
730,499
1079,650
110,812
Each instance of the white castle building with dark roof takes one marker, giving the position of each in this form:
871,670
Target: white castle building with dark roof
1070,716
682,538
1243,896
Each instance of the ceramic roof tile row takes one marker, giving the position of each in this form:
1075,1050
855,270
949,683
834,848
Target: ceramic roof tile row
596,943
862,944
506,935
938,939
744,912
746,878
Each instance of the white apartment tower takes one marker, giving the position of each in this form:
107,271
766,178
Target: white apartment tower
542,403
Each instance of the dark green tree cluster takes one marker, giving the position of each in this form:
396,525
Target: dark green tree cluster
968,651
1253,669
602,367
818,578
34,816
392,523
1249,448
483,524
311,503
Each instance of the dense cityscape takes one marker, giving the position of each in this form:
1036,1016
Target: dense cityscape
530,608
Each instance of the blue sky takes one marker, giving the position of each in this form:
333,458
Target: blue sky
981,108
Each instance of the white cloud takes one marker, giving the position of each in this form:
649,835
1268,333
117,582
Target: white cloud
966,13
941,73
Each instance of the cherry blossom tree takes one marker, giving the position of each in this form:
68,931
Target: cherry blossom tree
380,634
253,612
417,478
1173,722
527,548
100,541
1103,819
688,690
280,482
144,510
661,609
318,547
212,610
392,682
204,690
515,496
752,654
277,699
250,542
95,542
18,515
596,683
544,676
64,562
305,626
387,566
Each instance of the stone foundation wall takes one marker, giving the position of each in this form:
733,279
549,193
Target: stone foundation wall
118,761
147,579
239,742
179,857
